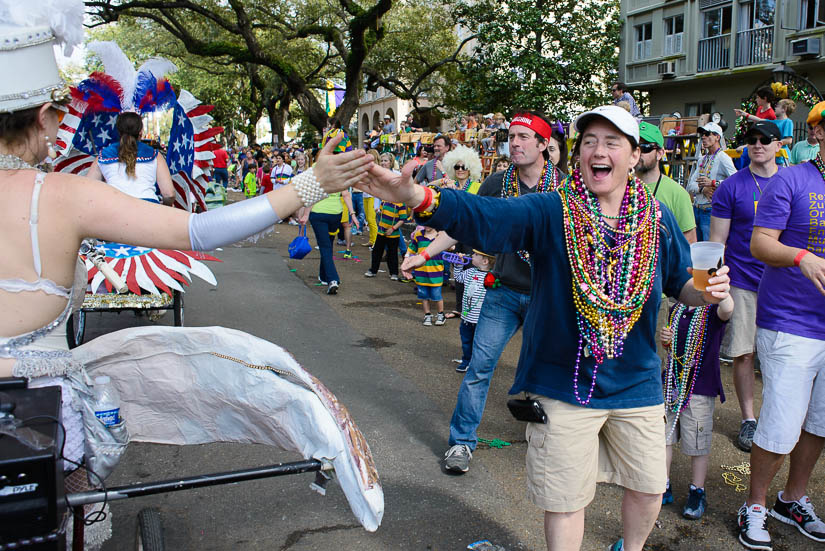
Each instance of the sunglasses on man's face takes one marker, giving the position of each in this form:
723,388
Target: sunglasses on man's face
764,140
459,167
648,147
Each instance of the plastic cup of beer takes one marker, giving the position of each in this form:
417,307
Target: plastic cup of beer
706,257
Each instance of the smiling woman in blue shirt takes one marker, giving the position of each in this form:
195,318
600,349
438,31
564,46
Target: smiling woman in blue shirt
602,251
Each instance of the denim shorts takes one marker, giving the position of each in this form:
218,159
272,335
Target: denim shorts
428,293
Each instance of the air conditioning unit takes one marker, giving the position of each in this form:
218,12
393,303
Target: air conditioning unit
667,69
806,47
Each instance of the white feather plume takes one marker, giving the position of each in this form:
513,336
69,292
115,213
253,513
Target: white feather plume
117,66
63,17
158,66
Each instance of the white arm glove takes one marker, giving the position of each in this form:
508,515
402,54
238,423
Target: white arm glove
229,224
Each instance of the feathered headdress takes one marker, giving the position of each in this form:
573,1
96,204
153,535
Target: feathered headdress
121,88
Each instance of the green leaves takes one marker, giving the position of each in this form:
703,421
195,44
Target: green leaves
558,56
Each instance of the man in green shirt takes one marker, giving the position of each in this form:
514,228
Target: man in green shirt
805,151
666,190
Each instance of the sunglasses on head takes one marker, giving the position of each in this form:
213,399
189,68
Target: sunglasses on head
764,140
648,147
459,167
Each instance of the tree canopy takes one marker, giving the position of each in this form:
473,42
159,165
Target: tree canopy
302,43
556,56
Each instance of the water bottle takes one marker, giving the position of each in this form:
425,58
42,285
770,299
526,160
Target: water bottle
107,401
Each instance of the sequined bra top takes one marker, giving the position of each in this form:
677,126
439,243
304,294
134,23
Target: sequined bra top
13,347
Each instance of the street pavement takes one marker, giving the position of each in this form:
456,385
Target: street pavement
368,346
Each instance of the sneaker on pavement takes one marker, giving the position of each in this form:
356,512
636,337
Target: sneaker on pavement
667,497
394,277
293,223
369,273
696,504
462,368
428,319
800,514
618,546
440,319
745,439
322,282
457,458
333,288
752,531
347,254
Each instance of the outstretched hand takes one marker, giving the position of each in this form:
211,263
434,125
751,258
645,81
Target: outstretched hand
410,263
337,172
392,187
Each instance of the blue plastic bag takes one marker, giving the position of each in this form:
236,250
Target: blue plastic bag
300,247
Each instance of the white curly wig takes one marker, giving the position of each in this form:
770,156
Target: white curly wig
469,157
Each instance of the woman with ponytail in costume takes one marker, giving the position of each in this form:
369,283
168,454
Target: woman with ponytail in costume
132,166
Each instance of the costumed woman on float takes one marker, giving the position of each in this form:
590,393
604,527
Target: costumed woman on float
43,219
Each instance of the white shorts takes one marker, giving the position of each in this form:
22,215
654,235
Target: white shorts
793,392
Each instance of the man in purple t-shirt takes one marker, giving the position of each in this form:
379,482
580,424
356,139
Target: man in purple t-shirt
731,223
789,237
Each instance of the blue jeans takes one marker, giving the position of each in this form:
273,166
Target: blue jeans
358,207
467,331
323,225
402,244
702,223
221,176
502,314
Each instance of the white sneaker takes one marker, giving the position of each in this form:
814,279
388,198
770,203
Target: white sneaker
333,288
752,531
457,458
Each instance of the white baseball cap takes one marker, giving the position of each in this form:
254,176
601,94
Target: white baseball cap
615,115
714,128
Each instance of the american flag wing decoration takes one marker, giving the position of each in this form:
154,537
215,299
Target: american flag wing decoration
190,156
150,270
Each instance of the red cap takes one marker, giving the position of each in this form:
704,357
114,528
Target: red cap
534,123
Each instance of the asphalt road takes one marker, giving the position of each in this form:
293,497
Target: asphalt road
368,346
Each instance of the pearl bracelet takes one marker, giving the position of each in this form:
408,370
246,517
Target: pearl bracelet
308,188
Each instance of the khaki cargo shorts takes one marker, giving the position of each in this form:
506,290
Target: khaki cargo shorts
579,447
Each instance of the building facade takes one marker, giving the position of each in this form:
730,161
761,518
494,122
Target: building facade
374,105
705,56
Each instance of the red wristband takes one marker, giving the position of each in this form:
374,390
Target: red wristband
426,255
799,256
428,200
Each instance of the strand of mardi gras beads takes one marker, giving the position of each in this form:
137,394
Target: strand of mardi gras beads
548,181
683,370
610,283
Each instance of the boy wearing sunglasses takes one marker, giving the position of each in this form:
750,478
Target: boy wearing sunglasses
734,208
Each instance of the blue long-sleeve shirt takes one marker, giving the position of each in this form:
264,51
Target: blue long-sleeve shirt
550,344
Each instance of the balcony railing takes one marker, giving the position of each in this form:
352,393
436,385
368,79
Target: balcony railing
754,46
714,53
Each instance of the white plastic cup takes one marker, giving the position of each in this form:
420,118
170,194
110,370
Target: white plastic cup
706,257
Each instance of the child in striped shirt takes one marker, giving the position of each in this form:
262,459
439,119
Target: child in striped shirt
390,220
428,278
474,292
